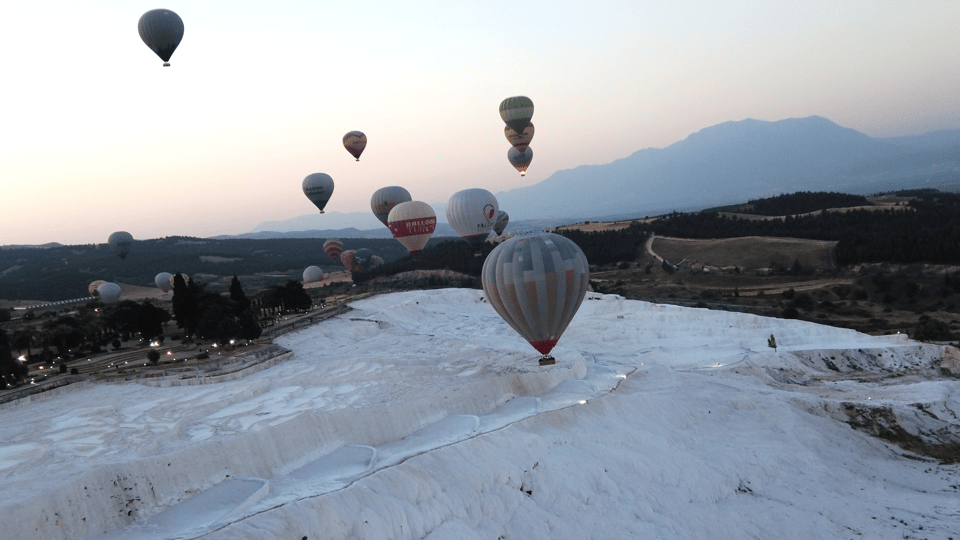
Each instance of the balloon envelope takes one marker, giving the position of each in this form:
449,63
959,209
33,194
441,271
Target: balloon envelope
318,187
92,288
520,141
349,260
501,222
536,283
412,224
333,248
312,273
109,292
163,281
120,243
173,278
520,160
384,199
471,213
376,261
516,112
363,258
355,142
161,30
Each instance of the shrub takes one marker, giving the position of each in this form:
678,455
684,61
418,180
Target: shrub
928,329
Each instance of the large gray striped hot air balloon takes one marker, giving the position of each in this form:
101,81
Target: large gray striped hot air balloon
108,292
520,141
163,281
516,112
520,160
120,243
536,283
501,222
385,198
161,30
318,187
355,142
471,213
412,223
312,274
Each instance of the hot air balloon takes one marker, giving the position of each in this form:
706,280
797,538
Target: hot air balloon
92,288
412,223
318,187
349,260
517,112
161,30
120,243
471,213
364,258
164,281
384,199
355,142
520,160
520,141
536,283
108,292
376,261
501,222
186,279
333,248
312,273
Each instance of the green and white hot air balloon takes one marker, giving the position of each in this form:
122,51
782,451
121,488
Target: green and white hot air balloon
517,112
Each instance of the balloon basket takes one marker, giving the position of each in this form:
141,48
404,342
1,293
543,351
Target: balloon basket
547,360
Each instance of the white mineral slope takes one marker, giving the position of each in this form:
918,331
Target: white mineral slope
423,415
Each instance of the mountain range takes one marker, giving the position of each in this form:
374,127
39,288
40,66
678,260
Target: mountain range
728,163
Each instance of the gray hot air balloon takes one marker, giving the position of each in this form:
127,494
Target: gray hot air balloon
318,187
364,258
501,223
516,112
163,281
109,292
355,142
312,274
120,243
161,30
471,213
536,283
384,199
520,160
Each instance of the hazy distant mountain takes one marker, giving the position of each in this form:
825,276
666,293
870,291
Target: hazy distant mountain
728,163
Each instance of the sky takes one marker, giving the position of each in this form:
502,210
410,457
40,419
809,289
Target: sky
97,136
422,415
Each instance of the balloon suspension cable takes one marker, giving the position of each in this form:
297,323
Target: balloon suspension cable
547,360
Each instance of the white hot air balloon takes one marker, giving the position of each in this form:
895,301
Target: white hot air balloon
163,280
109,292
120,242
412,223
384,199
472,214
536,283
318,187
312,274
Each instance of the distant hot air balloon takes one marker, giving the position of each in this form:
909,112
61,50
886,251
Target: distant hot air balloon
412,223
517,112
161,30
536,283
520,160
384,199
120,243
363,258
501,222
333,248
318,187
349,260
312,274
471,213
520,141
109,292
376,261
92,288
163,281
355,142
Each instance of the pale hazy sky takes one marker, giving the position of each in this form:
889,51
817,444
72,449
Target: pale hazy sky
97,136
